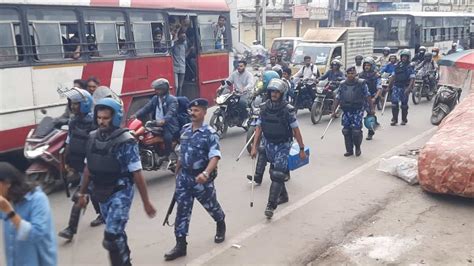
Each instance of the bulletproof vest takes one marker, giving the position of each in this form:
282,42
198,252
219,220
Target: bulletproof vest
275,125
371,81
78,136
102,163
402,76
352,95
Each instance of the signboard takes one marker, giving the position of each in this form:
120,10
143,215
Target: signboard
362,7
318,13
406,6
350,15
300,11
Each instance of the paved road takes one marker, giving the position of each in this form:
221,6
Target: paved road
328,198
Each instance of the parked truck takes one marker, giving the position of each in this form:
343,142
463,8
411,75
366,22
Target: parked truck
326,44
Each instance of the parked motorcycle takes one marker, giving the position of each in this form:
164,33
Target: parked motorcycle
45,149
423,86
304,95
228,113
151,146
445,101
325,96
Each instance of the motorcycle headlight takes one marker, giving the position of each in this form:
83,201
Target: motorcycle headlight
259,86
319,89
32,154
220,99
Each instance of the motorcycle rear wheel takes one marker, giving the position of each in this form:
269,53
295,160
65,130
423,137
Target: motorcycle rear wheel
316,112
217,122
44,180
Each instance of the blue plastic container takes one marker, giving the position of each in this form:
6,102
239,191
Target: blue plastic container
294,161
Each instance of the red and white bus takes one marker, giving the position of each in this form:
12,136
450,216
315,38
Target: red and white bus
46,44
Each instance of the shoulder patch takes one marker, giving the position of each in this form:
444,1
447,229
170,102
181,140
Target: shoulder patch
211,129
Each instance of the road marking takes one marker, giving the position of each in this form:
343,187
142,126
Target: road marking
203,259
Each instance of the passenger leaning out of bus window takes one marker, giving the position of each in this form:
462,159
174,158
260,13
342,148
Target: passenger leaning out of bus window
159,46
436,55
92,45
72,47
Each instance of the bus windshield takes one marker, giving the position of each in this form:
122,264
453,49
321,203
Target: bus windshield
319,55
392,30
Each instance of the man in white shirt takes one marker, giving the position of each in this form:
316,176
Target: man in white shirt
308,71
243,83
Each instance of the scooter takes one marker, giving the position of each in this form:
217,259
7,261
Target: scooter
445,100
45,149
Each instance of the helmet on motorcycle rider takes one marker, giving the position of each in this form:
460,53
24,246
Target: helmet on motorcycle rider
267,76
435,50
113,105
370,61
336,63
370,122
428,56
277,85
422,49
76,95
386,50
405,52
278,70
161,84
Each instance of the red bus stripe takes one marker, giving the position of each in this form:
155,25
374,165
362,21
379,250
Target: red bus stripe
14,139
100,70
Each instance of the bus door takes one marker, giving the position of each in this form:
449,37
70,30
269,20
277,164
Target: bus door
186,70
214,49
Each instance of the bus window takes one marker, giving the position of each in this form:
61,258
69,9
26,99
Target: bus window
148,32
105,33
213,33
54,34
11,48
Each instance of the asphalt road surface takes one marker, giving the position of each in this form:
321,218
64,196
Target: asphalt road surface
329,198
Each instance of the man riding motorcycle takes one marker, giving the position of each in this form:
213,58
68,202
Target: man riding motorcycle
428,66
385,58
243,83
390,67
374,84
436,55
420,55
164,108
335,73
307,72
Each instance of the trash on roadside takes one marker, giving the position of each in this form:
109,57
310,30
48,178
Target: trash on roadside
236,246
402,167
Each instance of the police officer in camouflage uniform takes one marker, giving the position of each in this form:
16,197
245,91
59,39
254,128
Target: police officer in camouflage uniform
278,124
401,83
196,170
374,84
113,166
80,104
353,95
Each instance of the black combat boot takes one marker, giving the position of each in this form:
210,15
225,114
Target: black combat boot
119,257
275,191
395,111
220,232
98,221
404,115
348,142
370,135
179,250
257,179
71,230
357,139
283,198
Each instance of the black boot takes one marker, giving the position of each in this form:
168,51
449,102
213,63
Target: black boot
395,111
98,221
404,115
220,232
348,142
257,179
370,134
283,198
357,140
71,230
179,250
275,191
118,257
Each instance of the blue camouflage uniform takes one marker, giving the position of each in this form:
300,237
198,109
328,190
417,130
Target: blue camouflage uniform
198,147
388,68
115,210
332,75
374,85
353,119
398,89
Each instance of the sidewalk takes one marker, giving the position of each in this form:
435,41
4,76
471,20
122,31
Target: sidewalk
416,229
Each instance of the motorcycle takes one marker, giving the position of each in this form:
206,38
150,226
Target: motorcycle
423,86
325,96
444,102
304,95
45,149
385,92
151,146
228,113
257,99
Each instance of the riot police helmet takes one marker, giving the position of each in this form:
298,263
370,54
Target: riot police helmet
422,49
405,52
112,105
370,61
81,96
278,70
277,85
